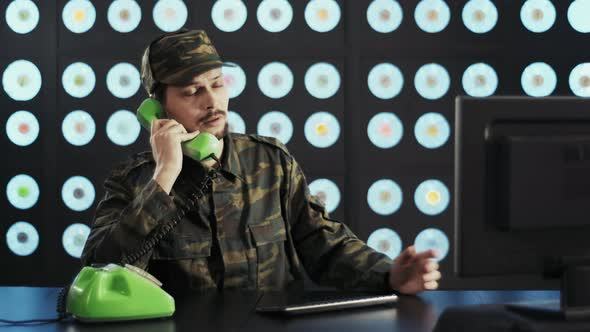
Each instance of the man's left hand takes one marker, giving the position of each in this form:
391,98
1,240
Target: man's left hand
412,273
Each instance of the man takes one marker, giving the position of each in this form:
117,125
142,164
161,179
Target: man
255,226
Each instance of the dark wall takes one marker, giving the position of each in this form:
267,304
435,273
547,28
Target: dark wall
353,162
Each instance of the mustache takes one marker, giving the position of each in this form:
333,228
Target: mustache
213,115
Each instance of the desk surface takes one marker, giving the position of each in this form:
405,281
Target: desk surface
230,311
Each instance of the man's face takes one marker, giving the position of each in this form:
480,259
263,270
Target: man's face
201,105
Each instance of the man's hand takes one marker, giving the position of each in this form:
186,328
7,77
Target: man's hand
412,273
165,138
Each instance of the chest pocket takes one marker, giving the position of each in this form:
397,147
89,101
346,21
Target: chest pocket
183,242
269,238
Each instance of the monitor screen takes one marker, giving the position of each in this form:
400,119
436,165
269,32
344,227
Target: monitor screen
522,185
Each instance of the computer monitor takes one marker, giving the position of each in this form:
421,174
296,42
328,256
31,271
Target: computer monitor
522,191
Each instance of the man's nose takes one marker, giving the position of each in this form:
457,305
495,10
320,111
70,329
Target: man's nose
209,100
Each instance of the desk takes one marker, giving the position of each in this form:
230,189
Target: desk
234,310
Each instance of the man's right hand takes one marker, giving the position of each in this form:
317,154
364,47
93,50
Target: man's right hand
165,138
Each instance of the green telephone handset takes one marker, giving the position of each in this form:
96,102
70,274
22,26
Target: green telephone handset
115,293
199,148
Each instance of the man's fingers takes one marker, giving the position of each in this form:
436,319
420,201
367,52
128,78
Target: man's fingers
153,126
172,127
432,276
431,285
426,254
177,129
429,265
189,136
156,124
407,255
169,124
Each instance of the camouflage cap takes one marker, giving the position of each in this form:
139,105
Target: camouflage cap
176,57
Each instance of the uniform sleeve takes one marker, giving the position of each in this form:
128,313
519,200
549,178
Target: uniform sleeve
123,220
331,254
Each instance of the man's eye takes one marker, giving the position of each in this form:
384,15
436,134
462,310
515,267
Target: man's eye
219,86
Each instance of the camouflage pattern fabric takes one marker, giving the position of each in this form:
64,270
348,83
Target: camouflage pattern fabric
177,57
258,227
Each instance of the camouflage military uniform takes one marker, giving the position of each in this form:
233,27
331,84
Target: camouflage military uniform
258,228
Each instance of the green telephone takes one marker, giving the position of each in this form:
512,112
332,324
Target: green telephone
115,293
199,148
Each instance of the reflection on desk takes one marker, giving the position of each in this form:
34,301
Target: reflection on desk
235,310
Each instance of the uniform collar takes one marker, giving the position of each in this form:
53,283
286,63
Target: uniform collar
230,161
